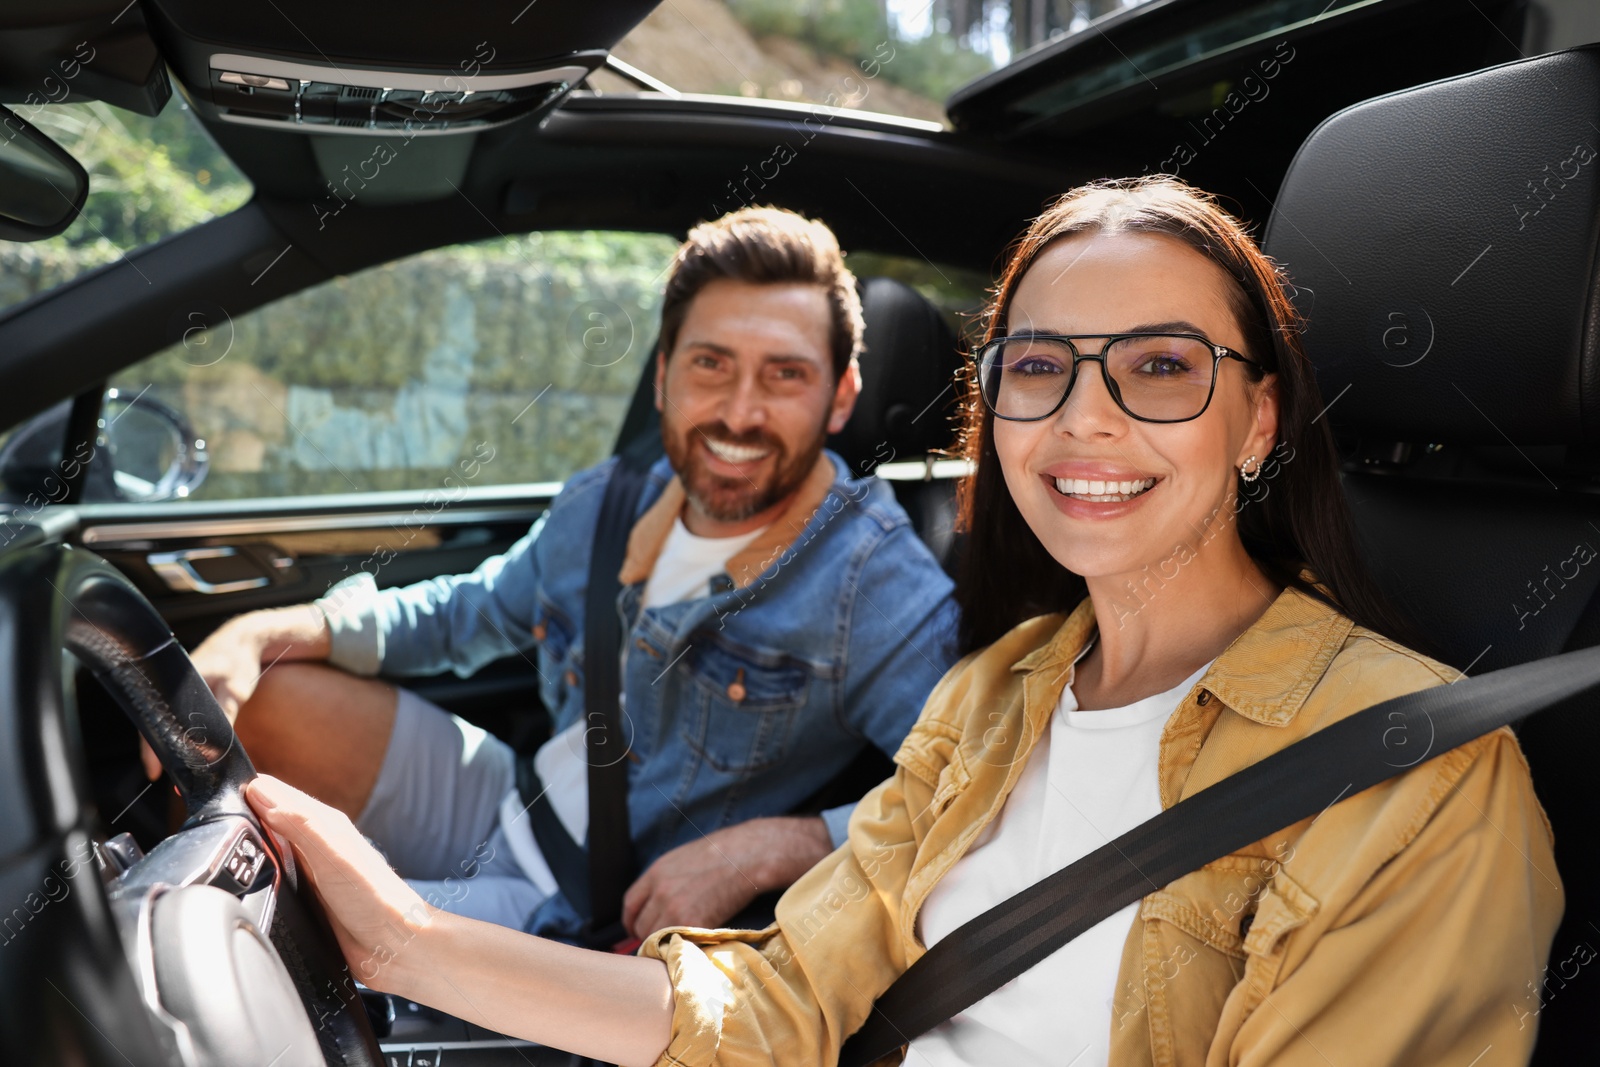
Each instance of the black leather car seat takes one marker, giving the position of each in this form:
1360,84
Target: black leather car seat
1444,243
908,394
907,378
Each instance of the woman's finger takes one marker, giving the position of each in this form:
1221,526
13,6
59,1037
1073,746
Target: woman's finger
634,901
355,883
147,756
375,915
301,819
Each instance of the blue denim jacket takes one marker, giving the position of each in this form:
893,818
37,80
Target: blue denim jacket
739,704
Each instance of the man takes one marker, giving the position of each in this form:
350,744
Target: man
778,614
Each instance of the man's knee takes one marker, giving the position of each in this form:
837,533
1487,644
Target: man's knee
311,690
320,729
289,683
293,702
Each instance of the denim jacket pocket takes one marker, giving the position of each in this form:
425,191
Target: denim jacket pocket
743,705
559,656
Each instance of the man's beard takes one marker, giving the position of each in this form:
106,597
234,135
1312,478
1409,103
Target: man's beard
734,499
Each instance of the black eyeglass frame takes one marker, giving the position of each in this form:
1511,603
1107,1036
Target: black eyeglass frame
1218,354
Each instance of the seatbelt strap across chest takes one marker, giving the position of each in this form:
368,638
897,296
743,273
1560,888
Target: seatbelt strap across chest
1295,783
612,865
593,880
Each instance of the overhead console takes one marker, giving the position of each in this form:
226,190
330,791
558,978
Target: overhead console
313,66
363,68
273,92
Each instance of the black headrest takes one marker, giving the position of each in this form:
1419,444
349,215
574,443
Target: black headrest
907,378
1443,239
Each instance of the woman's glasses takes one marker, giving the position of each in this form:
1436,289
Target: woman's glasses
1154,377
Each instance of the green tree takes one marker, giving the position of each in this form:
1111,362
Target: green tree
932,66
149,178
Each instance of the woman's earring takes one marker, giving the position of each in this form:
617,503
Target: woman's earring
1251,474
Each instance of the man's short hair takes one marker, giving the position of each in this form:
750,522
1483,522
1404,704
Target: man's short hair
766,246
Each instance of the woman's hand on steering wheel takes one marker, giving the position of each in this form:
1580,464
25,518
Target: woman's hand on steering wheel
375,915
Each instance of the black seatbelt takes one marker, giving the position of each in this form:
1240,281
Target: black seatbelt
568,863
611,859
1300,781
595,886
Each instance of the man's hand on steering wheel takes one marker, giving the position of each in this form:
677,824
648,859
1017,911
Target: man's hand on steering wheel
232,659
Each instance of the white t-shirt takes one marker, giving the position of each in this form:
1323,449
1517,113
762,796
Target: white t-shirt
688,563
1090,779
683,571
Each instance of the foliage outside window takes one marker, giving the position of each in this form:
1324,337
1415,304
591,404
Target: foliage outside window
933,65
520,353
518,357
149,178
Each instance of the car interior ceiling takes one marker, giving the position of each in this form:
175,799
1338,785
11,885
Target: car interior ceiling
1466,403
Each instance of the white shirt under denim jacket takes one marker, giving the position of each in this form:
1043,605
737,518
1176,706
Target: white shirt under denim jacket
826,634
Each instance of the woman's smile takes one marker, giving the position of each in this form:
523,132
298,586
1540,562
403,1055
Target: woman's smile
1103,492
1096,491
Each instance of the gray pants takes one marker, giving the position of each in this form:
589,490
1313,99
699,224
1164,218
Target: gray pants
435,814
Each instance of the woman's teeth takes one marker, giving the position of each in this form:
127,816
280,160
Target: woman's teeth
734,453
1102,492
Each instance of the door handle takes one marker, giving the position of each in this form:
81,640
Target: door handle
177,570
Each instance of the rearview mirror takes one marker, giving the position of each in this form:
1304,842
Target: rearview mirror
42,188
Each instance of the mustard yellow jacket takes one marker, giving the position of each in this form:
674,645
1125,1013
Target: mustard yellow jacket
1406,924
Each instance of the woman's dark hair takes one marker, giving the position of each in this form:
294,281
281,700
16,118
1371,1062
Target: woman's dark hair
1301,520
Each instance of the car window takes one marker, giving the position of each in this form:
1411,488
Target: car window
149,178
506,361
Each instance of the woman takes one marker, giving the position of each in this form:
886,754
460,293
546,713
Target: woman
1161,588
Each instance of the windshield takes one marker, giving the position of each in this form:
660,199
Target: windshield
149,178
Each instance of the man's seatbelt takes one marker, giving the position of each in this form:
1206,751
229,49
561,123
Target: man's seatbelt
1298,782
596,886
611,860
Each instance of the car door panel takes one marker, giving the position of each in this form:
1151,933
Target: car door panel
277,553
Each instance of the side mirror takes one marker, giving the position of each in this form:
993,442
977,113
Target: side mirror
145,452
153,451
42,188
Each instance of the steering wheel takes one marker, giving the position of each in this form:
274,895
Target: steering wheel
209,951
